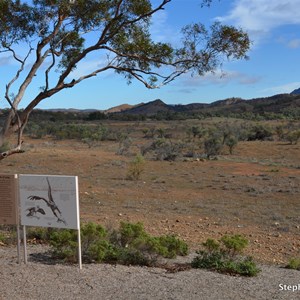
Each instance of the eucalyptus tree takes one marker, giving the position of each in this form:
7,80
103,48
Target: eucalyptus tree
49,38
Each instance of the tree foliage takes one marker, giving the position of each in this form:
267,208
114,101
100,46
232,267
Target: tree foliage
56,35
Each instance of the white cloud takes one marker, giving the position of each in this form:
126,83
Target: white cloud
220,77
259,17
281,89
188,84
160,29
295,43
158,24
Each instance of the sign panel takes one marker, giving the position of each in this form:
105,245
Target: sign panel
8,199
49,201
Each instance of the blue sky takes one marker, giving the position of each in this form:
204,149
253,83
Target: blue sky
273,67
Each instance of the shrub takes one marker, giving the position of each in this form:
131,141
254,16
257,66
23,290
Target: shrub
149,132
244,267
164,149
294,263
161,132
212,146
225,256
128,245
2,238
124,145
171,246
293,136
211,245
231,142
8,234
136,168
61,130
234,244
196,131
169,151
64,244
39,234
134,237
260,132
208,260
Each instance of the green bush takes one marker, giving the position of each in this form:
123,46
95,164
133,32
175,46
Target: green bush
293,136
245,267
95,245
234,244
40,234
294,263
212,146
8,234
2,238
62,130
133,237
130,244
208,260
225,256
260,132
64,244
231,142
164,149
136,168
211,245
171,246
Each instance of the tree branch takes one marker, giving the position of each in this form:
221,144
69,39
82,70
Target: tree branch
22,62
11,152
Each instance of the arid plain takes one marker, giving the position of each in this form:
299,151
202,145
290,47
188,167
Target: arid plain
254,191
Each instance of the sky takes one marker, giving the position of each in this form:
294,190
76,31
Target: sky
272,68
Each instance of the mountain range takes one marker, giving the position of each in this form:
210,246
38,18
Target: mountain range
274,104
296,92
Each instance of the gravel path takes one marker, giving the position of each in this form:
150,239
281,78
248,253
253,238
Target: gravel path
42,280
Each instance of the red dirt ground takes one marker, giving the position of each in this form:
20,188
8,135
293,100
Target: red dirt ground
254,192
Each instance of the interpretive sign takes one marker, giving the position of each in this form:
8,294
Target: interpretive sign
49,201
8,199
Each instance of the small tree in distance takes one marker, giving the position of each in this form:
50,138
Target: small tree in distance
56,35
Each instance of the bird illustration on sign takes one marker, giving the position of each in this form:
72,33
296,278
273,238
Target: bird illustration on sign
33,211
49,202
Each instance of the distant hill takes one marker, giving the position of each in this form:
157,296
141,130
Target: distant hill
120,108
274,104
296,92
150,108
289,103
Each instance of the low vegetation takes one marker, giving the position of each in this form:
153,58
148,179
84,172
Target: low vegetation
207,138
130,244
136,168
7,234
294,263
141,143
225,256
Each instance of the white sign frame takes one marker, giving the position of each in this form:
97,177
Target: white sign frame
49,201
